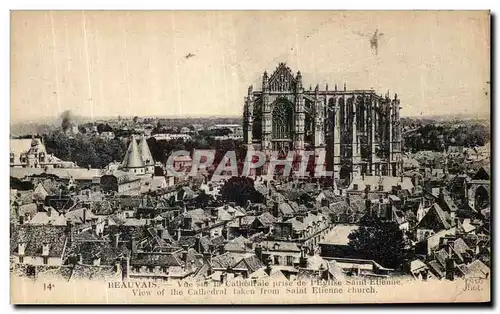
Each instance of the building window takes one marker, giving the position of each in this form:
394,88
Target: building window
45,260
368,187
21,259
355,187
380,187
289,260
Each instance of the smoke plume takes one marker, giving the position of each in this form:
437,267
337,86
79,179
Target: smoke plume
66,120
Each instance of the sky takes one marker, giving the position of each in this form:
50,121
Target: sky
128,63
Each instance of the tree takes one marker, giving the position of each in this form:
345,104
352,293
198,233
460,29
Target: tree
379,240
135,119
241,190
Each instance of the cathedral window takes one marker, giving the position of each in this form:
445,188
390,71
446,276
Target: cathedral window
282,121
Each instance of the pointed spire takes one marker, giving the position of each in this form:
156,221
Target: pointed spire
132,157
146,156
326,86
265,81
345,87
335,86
299,81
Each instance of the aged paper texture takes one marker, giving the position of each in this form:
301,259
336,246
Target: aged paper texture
250,157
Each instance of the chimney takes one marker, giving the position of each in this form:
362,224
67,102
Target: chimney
116,239
222,250
125,266
213,211
21,220
207,256
197,244
450,264
69,231
348,200
94,227
275,210
159,233
187,222
84,215
310,251
258,251
302,259
185,254
133,246
268,266
49,212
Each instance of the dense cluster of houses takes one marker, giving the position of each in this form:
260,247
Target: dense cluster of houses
131,222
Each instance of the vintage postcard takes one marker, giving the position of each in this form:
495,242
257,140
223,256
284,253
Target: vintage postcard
250,157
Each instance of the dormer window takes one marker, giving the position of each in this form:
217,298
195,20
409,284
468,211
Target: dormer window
355,187
45,249
380,187
21,248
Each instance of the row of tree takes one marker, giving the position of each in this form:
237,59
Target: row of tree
440,137
85,151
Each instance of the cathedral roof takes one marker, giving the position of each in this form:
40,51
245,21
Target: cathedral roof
133,157
146,156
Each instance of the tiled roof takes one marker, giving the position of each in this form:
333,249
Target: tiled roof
132,157
339,234
285,208
34,236
460,246
434,215
43,218
224,260
156,259
92,272
31,209
386,182
296,224
252,262
76,216
281,246
147,158
266,219
237,244
437,268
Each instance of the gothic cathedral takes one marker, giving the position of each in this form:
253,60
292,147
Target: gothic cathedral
359,129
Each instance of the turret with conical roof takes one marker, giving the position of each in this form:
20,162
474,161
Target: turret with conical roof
133,161
146,156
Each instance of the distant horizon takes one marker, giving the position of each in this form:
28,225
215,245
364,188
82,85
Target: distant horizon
88,119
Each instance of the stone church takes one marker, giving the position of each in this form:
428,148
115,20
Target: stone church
359,129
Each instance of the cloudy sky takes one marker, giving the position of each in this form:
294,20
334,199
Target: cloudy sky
99,63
